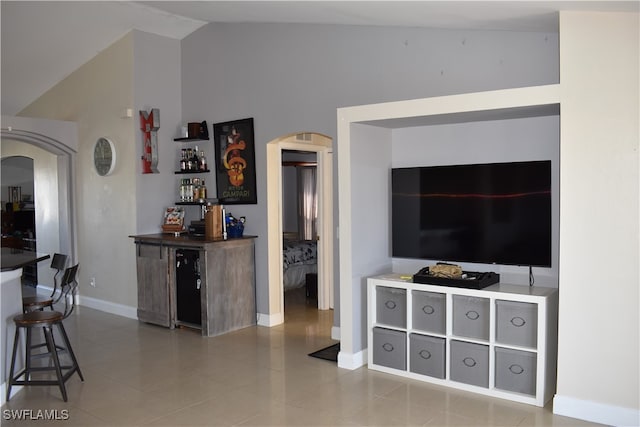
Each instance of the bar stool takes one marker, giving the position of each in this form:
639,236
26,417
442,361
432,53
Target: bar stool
46,320
58,263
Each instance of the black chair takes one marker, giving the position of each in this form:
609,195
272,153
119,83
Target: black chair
58,263
46,320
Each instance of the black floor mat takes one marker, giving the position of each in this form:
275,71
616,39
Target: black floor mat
328,353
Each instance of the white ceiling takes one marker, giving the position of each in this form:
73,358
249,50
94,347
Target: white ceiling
43,42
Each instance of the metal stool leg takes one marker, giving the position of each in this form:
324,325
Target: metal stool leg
27,362
67,343
13,363
48,333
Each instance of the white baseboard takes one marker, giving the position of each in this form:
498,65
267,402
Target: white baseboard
335,333
595,412
352,361
44,290
109,307
98,304
270,320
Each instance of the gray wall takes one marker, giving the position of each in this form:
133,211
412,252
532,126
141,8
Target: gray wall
292,77
94,97
139,71
156,68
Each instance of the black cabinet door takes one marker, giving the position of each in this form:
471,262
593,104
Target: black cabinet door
188,301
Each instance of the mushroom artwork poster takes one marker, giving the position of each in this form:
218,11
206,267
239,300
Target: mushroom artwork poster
235,162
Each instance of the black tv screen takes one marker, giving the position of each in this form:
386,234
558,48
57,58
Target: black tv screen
498,213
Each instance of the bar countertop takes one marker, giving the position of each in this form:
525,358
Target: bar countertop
170,239
13,259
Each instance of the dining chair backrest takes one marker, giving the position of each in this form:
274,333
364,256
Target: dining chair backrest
68,288
58,263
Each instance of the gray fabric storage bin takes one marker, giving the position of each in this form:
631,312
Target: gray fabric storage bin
471,317
516,371
469,363
517,323
429,311
391,306
427,355
390,348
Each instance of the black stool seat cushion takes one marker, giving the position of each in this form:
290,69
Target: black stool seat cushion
38,318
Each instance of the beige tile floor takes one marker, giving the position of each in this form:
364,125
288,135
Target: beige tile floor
138,374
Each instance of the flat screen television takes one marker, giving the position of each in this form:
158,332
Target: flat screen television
498,213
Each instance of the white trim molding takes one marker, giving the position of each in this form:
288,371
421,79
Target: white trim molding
352,361
595,412
270,320
322,146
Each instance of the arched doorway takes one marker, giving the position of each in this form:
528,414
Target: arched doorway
322,146
54,173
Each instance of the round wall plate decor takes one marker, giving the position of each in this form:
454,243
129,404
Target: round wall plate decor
104,156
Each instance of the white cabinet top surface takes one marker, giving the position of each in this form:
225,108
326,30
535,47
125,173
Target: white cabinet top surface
505,288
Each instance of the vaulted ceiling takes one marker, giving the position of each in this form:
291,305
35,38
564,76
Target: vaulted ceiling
44,41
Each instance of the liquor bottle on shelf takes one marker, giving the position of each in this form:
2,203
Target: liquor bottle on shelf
195,191
190,189
189,159
183,189
195,162
202,162
183,159
203,191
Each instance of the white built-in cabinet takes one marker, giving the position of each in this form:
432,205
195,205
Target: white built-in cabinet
500,341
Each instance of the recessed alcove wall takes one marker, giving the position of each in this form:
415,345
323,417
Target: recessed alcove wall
491,141
369,146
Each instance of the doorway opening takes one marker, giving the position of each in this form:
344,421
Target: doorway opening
300,232
18,210
305,144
